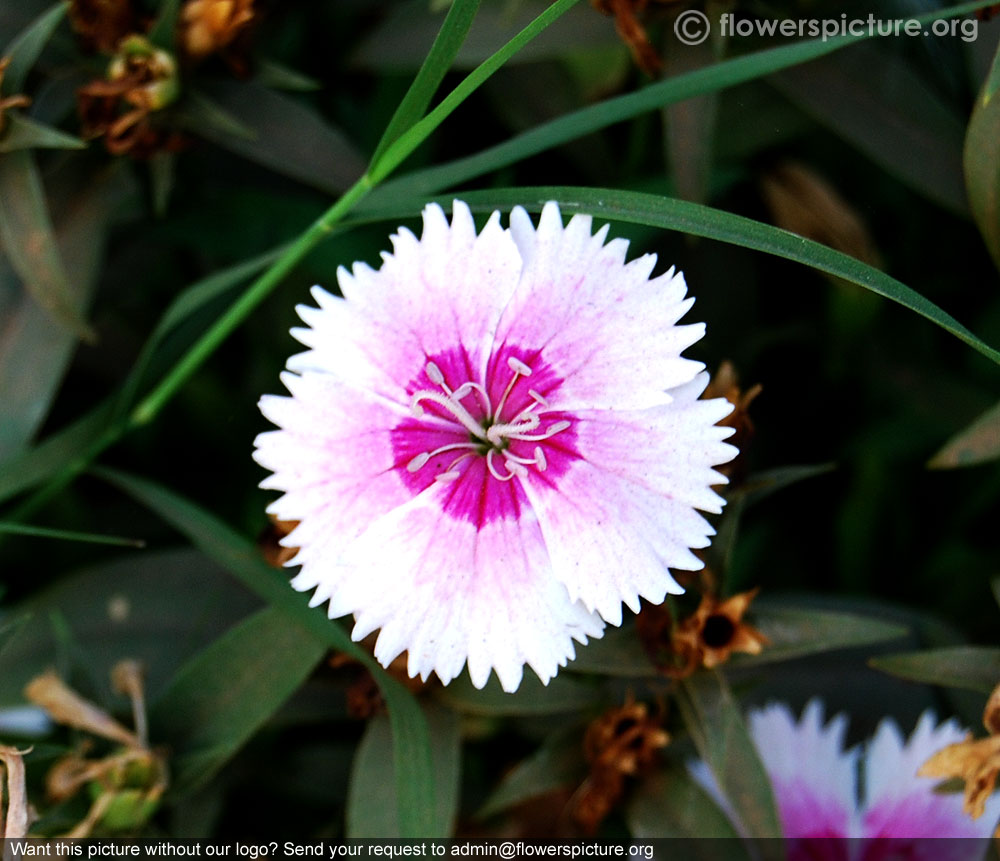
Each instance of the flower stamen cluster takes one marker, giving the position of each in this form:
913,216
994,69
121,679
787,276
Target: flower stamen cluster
490,435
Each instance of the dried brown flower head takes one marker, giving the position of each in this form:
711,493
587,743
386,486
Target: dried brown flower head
713,632
275,553
725,384
141,80
102,24
7,102
621,743
364,699
976,761
208,26
126,784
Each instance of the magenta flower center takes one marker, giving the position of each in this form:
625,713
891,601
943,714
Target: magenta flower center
492,435
480,434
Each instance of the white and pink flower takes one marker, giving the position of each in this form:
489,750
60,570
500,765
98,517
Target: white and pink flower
872,792
493,442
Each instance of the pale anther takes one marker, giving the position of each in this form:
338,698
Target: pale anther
540,460
538,398
518,367
434,374
418,461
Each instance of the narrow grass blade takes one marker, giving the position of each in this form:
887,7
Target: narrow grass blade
587,120
68,535
191,300
420,131
411,743
692,218
439,59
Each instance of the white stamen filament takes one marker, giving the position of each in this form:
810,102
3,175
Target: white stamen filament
448,403
492,431
422,458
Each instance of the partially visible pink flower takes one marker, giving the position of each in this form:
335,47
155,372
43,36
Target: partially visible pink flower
871,792
493,442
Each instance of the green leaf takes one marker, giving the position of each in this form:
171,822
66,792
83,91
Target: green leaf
164,27
875,100
618,653
407,142
68,535
371,795
713,719
411,744
27,239
981,160
556,764
25,48
794,632
672,804
977,443
55,453
762,484
611,111
974,668
24,133
401,41
562,694
159,608
9,629
30,338
692,218
222,696
286,136
432,71
277,76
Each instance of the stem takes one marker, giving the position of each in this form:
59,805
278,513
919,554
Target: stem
147,409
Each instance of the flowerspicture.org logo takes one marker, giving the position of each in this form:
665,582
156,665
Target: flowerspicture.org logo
692,27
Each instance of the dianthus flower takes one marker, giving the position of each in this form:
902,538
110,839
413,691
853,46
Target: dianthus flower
493,442
822,793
